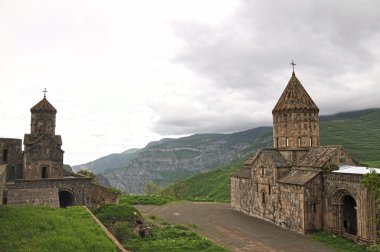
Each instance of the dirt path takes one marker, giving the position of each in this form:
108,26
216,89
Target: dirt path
233,230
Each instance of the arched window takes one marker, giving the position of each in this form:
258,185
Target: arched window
287,142
299,142
276,141
262,171
263,197
311,141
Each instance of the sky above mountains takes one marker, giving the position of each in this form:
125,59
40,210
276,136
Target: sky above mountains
123,73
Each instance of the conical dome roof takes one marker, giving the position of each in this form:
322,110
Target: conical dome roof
294,98
43,106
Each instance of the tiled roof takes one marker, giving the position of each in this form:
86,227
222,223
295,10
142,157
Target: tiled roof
273,154
243,173
295,97
298,177
43,106
317,157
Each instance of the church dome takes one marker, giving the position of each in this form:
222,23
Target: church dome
295,98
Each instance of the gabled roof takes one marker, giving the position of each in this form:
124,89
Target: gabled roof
276,157
243,173
43,106
298,177
317,157
295,97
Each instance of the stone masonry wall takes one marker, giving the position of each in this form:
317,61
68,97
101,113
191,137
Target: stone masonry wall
101,195
34,196
337,186
313,205
290,210
2,182
241,194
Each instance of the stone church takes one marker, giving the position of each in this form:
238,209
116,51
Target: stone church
301,185
36,176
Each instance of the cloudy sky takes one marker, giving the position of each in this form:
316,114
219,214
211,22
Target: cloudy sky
123,73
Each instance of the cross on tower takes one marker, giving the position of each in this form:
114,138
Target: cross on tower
293,64
45,91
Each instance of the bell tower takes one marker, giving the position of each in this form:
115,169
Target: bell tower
295,118
43,118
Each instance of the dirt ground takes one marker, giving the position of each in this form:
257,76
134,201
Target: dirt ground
233,230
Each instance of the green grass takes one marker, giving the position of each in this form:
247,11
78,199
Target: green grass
336,242
134,199
358,132
32,228
169,237
209,186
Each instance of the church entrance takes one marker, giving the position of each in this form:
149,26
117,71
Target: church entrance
349,215
66,198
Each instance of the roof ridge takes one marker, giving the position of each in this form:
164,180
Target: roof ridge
43,106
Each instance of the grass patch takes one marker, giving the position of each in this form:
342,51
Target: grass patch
336,242
375,164
172,238
209,186
134,199
41,228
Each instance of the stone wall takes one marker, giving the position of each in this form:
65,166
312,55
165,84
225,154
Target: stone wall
313,205
34,196
242,194
101,195
290,210
2,182
339,185
11,156
79,187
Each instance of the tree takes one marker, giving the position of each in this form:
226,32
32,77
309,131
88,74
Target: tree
151,188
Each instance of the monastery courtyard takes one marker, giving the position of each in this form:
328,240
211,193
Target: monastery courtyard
233,230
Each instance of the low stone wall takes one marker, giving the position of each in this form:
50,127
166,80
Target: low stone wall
2,181
34,196
101,195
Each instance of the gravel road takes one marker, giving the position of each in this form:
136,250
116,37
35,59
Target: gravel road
233,230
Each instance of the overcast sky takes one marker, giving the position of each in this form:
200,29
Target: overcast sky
124,73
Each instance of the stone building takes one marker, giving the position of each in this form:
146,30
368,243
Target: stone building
301,185
36,176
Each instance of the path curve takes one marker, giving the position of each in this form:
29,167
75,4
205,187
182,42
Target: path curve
233,230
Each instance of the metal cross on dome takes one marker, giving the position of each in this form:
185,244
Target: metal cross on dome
45,91
293,64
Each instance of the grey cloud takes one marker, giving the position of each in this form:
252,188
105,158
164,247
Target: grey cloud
250,53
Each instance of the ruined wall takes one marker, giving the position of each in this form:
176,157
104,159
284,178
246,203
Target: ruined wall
2,182
290,210
313,205
241,194
11,156
337,186
101,195
34,196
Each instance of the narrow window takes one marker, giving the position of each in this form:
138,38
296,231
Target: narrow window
277,142
262,171
263,197
5,155
257,187
314,207
287,142
311,141
299,142
269,189
44,172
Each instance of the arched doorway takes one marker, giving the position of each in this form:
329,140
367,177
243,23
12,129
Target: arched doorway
349,215
66,198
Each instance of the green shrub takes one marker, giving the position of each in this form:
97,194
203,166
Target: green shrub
134,199
122,231
110,214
